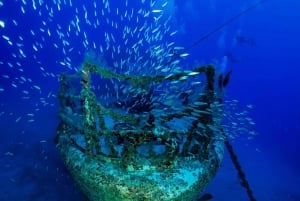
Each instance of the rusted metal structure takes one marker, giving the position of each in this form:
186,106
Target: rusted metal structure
117,155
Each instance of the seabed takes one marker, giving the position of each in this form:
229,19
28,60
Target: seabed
139,156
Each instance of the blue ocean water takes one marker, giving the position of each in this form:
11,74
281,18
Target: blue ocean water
41,39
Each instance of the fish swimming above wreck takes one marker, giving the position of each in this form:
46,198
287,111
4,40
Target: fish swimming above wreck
137,120
145,138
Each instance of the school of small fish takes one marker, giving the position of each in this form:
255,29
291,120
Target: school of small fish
128,40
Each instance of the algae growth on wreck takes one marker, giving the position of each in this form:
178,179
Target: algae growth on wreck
116,152
138,118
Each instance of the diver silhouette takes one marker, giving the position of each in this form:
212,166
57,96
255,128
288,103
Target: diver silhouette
139,103
242,40
231,57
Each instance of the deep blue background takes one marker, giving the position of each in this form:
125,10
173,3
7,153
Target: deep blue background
265,75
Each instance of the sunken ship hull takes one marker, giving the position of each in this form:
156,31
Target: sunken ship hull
115,156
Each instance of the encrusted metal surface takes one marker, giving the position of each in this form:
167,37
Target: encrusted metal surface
116,154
